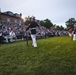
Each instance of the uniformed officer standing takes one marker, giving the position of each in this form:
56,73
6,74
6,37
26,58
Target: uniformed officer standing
32,27
74,33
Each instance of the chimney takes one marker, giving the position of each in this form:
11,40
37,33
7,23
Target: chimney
20,14
0,10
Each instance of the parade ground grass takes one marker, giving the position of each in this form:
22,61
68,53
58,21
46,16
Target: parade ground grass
53,56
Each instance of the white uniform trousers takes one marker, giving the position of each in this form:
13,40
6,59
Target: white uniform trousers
74,37
34,43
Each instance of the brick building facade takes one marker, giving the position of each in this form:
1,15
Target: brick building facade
10,17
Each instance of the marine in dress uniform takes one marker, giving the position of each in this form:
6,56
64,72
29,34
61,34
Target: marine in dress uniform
32,27
74,33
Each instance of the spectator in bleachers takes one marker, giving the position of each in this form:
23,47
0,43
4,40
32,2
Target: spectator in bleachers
1,37
12,35
5,35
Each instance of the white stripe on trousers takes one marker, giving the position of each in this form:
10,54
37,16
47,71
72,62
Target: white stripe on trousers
74,37
33,36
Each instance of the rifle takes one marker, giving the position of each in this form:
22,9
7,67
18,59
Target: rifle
27,38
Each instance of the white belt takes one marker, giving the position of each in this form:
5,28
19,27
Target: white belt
33,28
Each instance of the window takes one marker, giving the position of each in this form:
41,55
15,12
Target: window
16,22
8,19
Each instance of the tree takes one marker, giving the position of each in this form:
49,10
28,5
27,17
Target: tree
46,23
28,20
59,27
42,23
70,23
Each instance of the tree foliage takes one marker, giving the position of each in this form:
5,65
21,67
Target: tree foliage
27,22
47,23
70,23
60,27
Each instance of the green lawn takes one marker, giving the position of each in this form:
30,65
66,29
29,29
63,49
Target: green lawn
53,56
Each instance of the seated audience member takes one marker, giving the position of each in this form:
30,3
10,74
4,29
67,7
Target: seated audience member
1,37
12,35
5,35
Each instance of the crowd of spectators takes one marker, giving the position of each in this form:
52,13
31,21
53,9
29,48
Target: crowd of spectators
12,32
